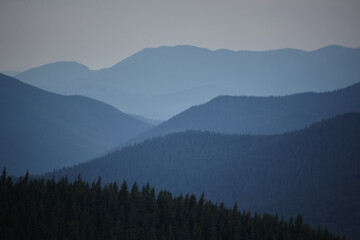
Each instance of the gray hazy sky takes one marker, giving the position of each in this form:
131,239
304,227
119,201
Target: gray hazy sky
100,33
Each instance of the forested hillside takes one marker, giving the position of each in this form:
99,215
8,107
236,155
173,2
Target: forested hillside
315,171
40,131
46,209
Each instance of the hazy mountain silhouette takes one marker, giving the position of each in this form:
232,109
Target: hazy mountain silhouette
314,171
58,77
160,82
11,73
146,120
260,115
42,130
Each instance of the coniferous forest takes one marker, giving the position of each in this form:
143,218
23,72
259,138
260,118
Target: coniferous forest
314,171
179,120
49,209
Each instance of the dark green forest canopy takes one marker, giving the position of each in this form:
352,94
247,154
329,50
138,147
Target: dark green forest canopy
49,209
315,171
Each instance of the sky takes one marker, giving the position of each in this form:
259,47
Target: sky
100,33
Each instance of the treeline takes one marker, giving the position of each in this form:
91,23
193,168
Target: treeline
315,171
49,209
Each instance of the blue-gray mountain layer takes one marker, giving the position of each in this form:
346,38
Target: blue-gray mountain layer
40,131
160,82
260,115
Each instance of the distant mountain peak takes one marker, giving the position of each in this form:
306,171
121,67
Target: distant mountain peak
60,65
148,82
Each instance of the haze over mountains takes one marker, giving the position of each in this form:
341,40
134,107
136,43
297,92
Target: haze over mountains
41,131
315,171
260,115
269,161
161,82
11,73
147,120
56,77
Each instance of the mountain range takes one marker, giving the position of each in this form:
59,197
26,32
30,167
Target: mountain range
160,82
41,131
259,115
242,127
314,171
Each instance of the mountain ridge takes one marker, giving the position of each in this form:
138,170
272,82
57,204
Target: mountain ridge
259,115
280,173
146,82
43,130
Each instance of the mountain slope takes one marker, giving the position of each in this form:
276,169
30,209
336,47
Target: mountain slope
11,73
260,115
160,82
56,77
315,171
248,72
42,130
67,210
